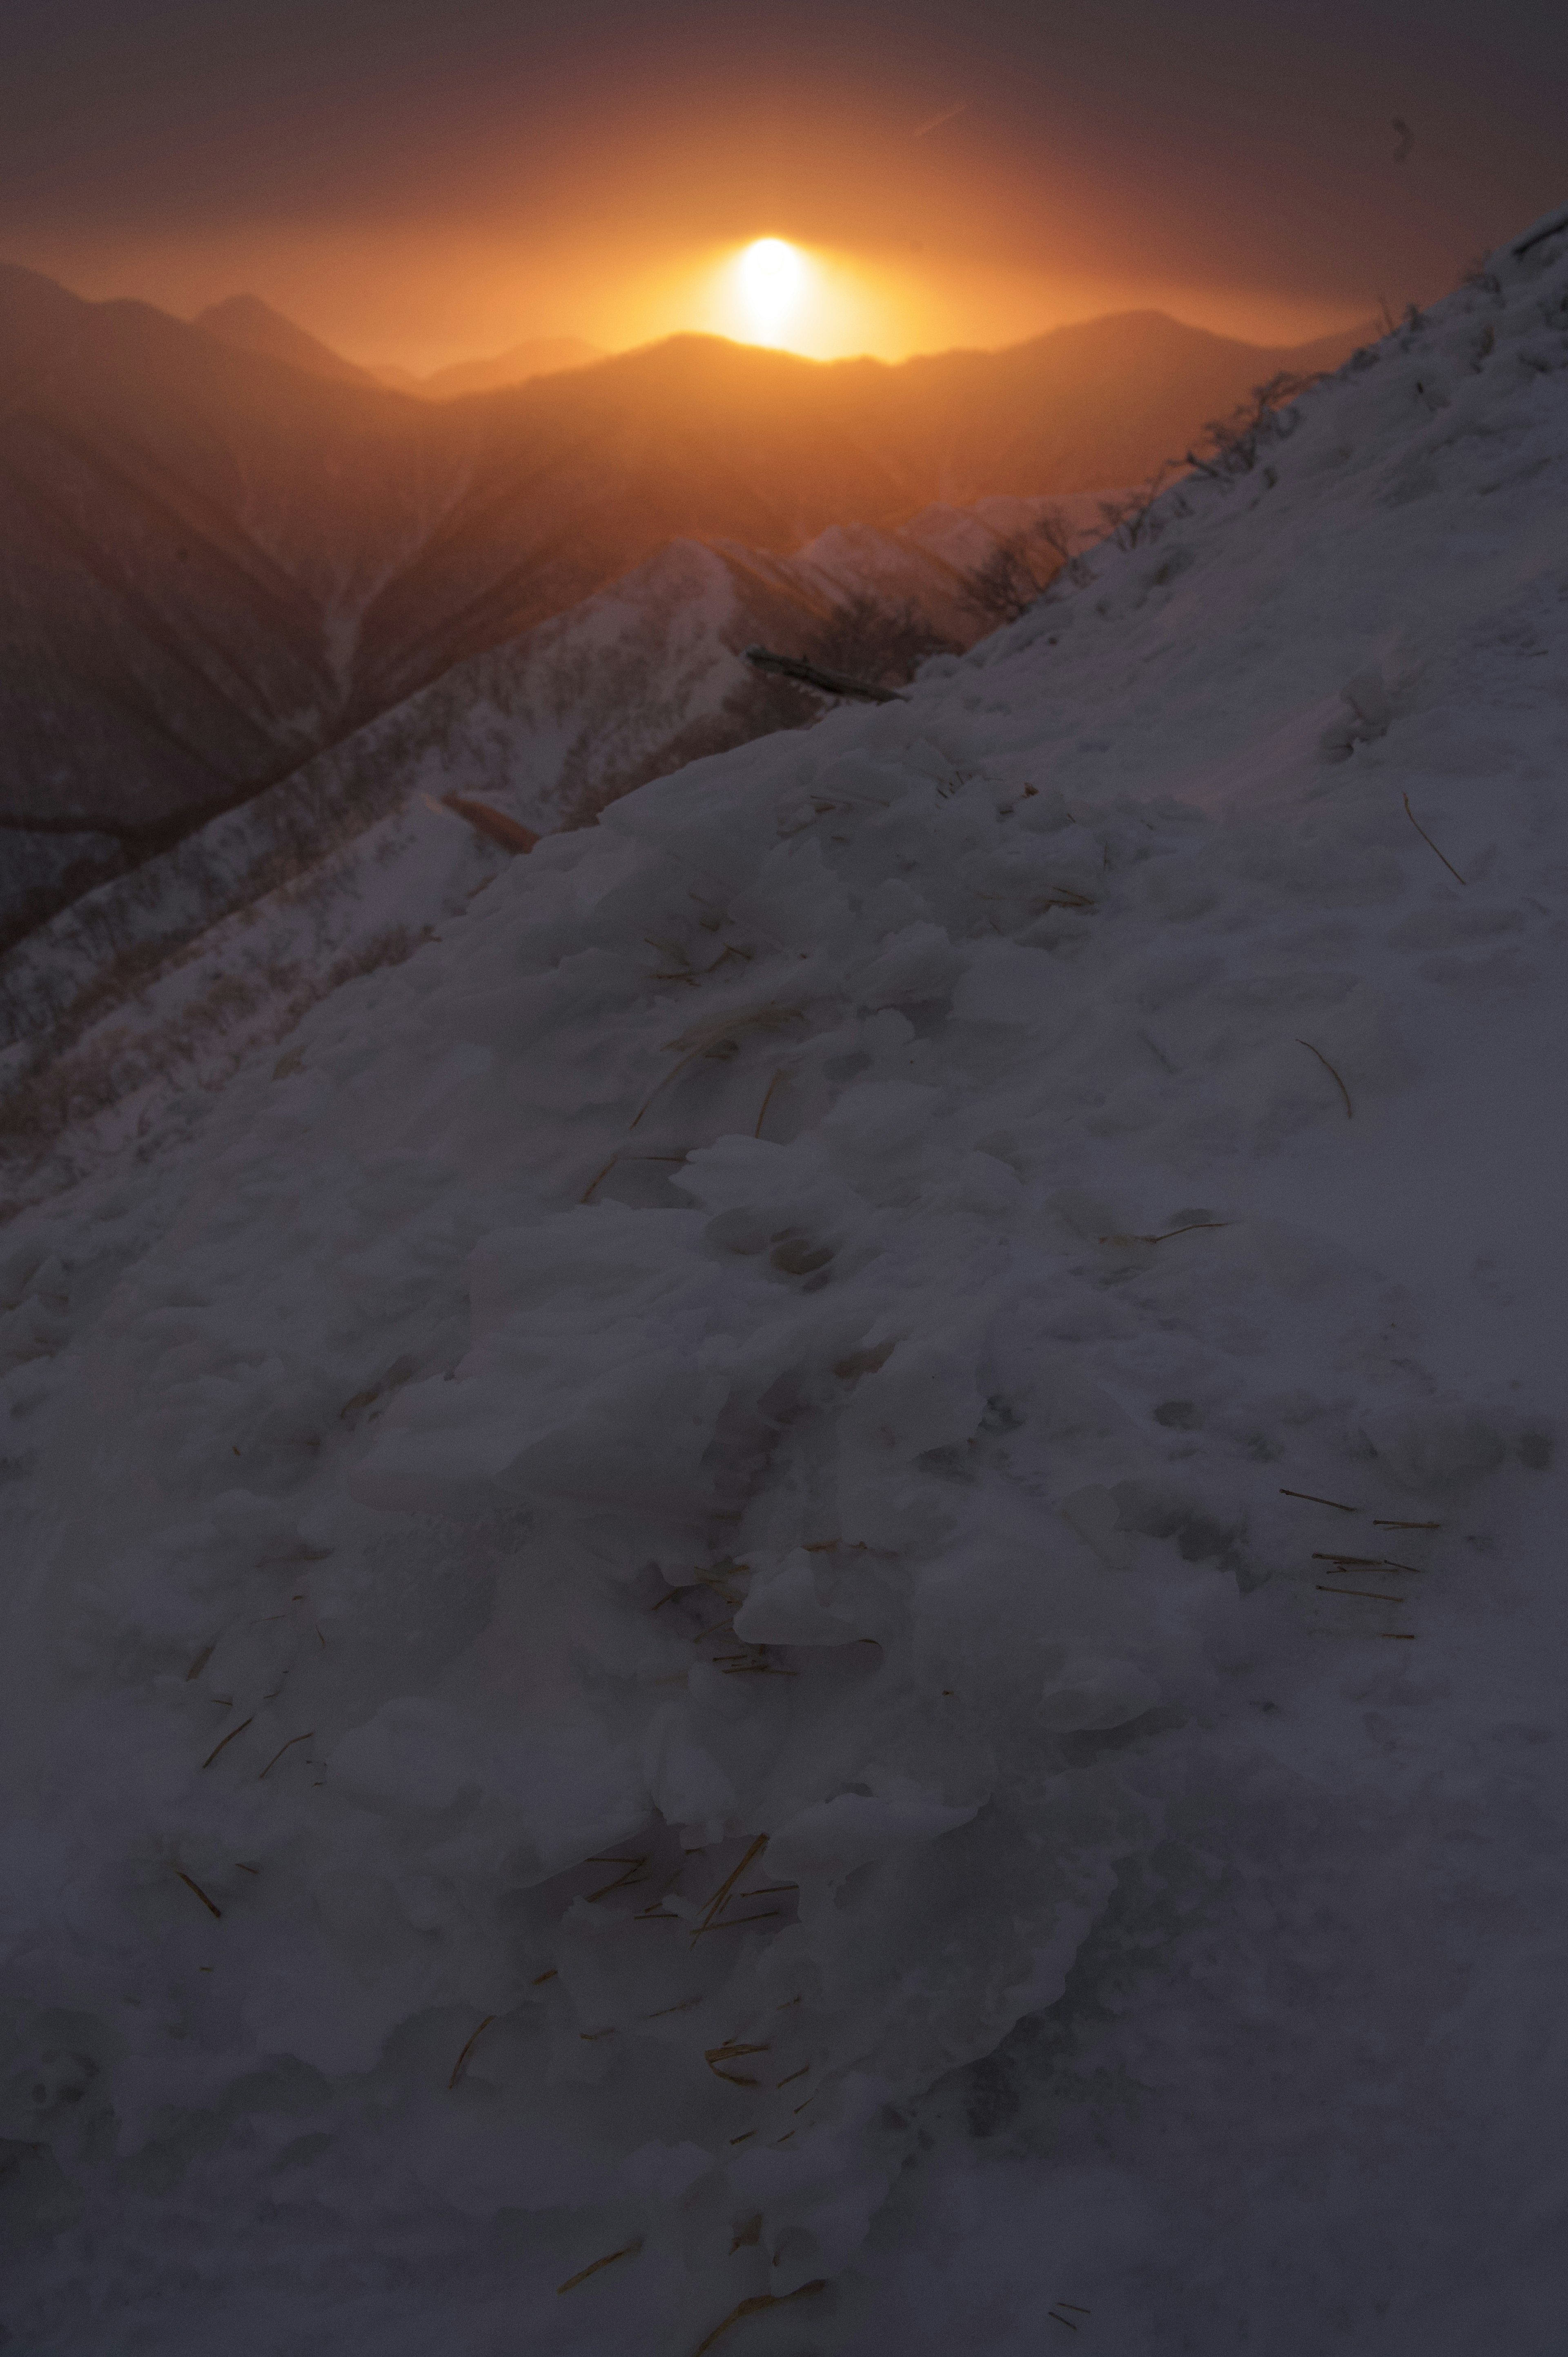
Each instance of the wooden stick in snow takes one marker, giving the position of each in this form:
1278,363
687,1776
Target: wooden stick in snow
811,674
496,826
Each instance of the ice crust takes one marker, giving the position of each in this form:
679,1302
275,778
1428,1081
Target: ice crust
609,1573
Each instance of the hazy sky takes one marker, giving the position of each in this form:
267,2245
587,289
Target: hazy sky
417,180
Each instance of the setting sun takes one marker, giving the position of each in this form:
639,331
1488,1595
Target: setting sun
772,276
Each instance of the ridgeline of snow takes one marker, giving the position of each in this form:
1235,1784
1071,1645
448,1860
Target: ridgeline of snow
813,1588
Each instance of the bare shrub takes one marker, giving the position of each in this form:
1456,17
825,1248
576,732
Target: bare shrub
1019,571
1131,520
884,644
1233,444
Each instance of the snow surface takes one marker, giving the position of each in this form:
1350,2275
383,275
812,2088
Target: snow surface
818,1755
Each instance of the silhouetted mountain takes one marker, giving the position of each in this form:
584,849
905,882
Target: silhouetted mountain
544,356
251,326
218,562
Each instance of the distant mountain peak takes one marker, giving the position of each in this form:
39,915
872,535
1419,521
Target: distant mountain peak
247,325
540,355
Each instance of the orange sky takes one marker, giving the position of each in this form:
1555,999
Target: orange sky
417,186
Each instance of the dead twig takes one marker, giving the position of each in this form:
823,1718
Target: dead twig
1367,1592
1431,846
1379,1524
229,1738
1320,1501
460,2064
628,2251
1349,1111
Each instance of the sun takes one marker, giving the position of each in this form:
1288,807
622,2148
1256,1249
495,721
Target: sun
772,281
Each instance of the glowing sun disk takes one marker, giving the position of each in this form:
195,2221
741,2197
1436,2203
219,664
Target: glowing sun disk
772,279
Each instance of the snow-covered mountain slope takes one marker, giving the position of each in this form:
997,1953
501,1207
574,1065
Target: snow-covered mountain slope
162,979
912,1390
219,561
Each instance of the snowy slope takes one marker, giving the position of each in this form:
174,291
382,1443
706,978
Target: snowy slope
912,1391
160,980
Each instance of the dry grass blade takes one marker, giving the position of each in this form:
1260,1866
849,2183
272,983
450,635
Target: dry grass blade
732,2052
461,2063
277,1755
1432,847
633,1874
1320,1501
1379,1524
754,2307
767,1100
605,1173
1166,1236
715,1903
628,2251
229,1738
1367,1592
1349,1109
718,1035
207,1903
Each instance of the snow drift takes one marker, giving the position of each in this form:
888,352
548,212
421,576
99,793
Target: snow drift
613,1564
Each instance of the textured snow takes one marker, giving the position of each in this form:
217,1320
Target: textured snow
827,1561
